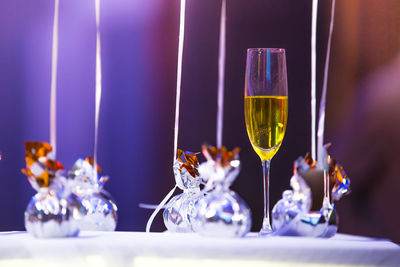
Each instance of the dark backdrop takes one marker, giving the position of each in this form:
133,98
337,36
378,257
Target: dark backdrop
139,51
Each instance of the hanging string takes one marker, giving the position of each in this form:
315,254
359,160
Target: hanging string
98,87
221,74
53,86
179,75
178,97
321,121
159,207
313,74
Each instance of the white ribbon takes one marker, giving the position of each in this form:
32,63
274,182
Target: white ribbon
313,74
322,106
148,206
178,97
221,73
98,87
179,75
159,207
53,86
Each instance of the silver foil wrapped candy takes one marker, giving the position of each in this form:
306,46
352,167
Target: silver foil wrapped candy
54,211
100,210
221,212
178,212
308,209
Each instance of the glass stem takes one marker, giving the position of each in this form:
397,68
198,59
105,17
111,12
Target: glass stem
325,187
266,227
327,200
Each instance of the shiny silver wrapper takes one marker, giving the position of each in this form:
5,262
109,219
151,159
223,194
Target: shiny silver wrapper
289,219
221,212
100,212
184,179
178,212
53,213
293,215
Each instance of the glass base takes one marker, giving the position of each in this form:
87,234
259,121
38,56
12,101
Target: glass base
266,229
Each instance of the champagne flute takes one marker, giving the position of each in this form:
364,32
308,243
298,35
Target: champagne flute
265,108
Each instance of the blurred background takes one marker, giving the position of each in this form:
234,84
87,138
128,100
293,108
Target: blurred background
139,53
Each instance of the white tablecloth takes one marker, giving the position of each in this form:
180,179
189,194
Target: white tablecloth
190,250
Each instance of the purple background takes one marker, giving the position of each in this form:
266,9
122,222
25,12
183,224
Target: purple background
139,51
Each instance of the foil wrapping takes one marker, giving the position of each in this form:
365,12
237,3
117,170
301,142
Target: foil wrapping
41,168
54,211
179,211
51,213
307,210
221,212
100,211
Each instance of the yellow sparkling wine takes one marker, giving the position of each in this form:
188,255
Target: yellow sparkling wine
266,119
